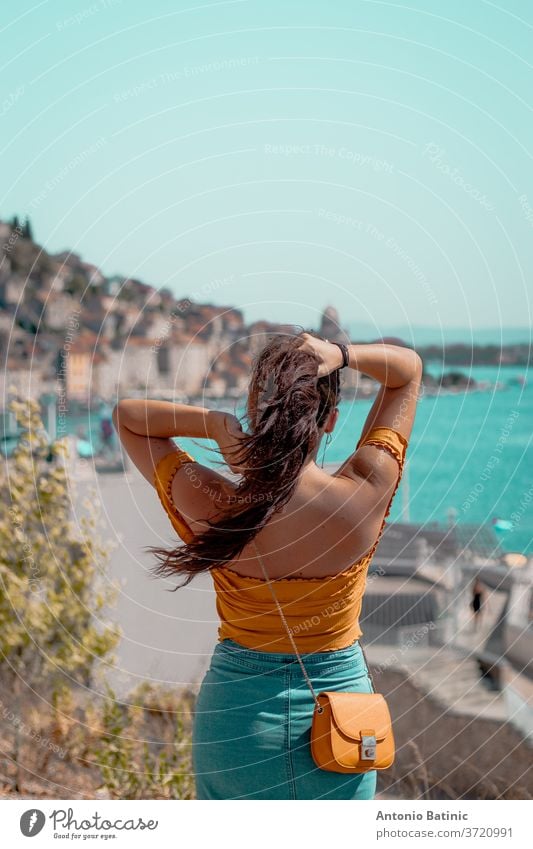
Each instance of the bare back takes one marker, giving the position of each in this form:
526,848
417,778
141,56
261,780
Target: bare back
321,531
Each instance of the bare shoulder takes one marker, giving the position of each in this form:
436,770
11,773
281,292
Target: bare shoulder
199,492
372,465
356,504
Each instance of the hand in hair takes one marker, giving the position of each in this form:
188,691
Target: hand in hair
228,433
329,356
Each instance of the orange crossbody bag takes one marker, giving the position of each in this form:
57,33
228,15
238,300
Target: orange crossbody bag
350,732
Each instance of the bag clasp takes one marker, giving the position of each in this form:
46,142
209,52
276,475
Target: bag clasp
368,747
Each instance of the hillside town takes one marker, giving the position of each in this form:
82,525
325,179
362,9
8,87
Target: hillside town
63,323
68,330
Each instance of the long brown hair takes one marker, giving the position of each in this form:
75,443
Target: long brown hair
286,409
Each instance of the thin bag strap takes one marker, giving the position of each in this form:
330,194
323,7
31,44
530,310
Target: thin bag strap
291,638
368,668
289,632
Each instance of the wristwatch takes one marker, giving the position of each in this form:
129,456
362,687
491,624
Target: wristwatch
345,355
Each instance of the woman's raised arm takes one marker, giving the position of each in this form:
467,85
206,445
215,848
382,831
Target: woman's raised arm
166,419
146,427
399,370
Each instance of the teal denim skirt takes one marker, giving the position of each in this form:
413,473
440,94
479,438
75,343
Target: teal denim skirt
252,723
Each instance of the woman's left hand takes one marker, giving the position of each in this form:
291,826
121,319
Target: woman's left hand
226,430
327,354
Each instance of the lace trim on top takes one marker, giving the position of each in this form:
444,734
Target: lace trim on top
346,573
164,473
386,437
396,444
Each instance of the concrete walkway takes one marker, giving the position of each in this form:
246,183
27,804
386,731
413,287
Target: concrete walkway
449,676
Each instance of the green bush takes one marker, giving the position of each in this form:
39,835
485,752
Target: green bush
53,566
53,574
54,588
133,764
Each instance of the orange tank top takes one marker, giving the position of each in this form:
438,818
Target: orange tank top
322,613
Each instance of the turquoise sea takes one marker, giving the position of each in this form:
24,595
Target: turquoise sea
471,452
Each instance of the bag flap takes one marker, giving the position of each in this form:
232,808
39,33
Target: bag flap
353,712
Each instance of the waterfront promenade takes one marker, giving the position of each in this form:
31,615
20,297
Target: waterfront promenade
168,637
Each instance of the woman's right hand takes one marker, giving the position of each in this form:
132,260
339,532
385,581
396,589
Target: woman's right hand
226,430
329,356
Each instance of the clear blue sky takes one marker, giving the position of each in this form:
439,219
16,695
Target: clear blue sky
282,156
